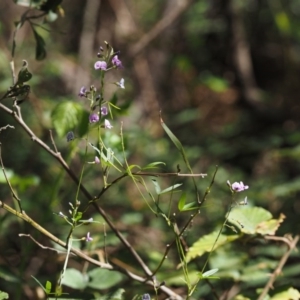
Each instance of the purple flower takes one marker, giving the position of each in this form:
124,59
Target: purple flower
88,237
94,118
97,160
82,92
104,111
102,65
116,62
238,186
107,124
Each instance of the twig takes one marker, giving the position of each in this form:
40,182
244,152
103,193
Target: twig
278,270
5,127
160,26
8,182
18,117
52,140
40,245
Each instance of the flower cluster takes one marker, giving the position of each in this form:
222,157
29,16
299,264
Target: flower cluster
237,186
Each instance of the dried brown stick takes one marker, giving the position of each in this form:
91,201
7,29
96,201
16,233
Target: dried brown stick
278,270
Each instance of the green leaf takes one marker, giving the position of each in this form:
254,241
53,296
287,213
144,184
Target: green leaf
290,294
103,279
182,201
3,295
24,75
191,206
153,165
115,295
157,186
179,146
249,219
48,287
75,279
206,243
66,116
40,50
7,275
209,273
170,189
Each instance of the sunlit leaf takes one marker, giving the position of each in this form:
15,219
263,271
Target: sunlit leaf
182,201
209,273
75,279
170,189
114,295
153,165
3,295
103,279
290,294
206,243
157,186
66,116
252,220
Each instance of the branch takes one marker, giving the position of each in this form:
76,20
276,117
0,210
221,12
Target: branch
57,155
159,27
278,270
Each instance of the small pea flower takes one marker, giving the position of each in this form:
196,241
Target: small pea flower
104,111
82,92
237,186
61,215
102,65
93,118
116,62
121,83
88,238
97,160
107,124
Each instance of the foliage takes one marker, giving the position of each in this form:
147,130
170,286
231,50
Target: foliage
114,204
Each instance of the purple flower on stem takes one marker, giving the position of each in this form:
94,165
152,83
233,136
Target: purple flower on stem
107,124
116,62
97,160
102,65
94,118
82,92
88,238
104,111
238,186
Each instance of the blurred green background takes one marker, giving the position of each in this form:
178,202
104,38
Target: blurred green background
225,76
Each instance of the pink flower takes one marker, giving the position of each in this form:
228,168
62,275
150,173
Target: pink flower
88,237
238,186
102,65
116,62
